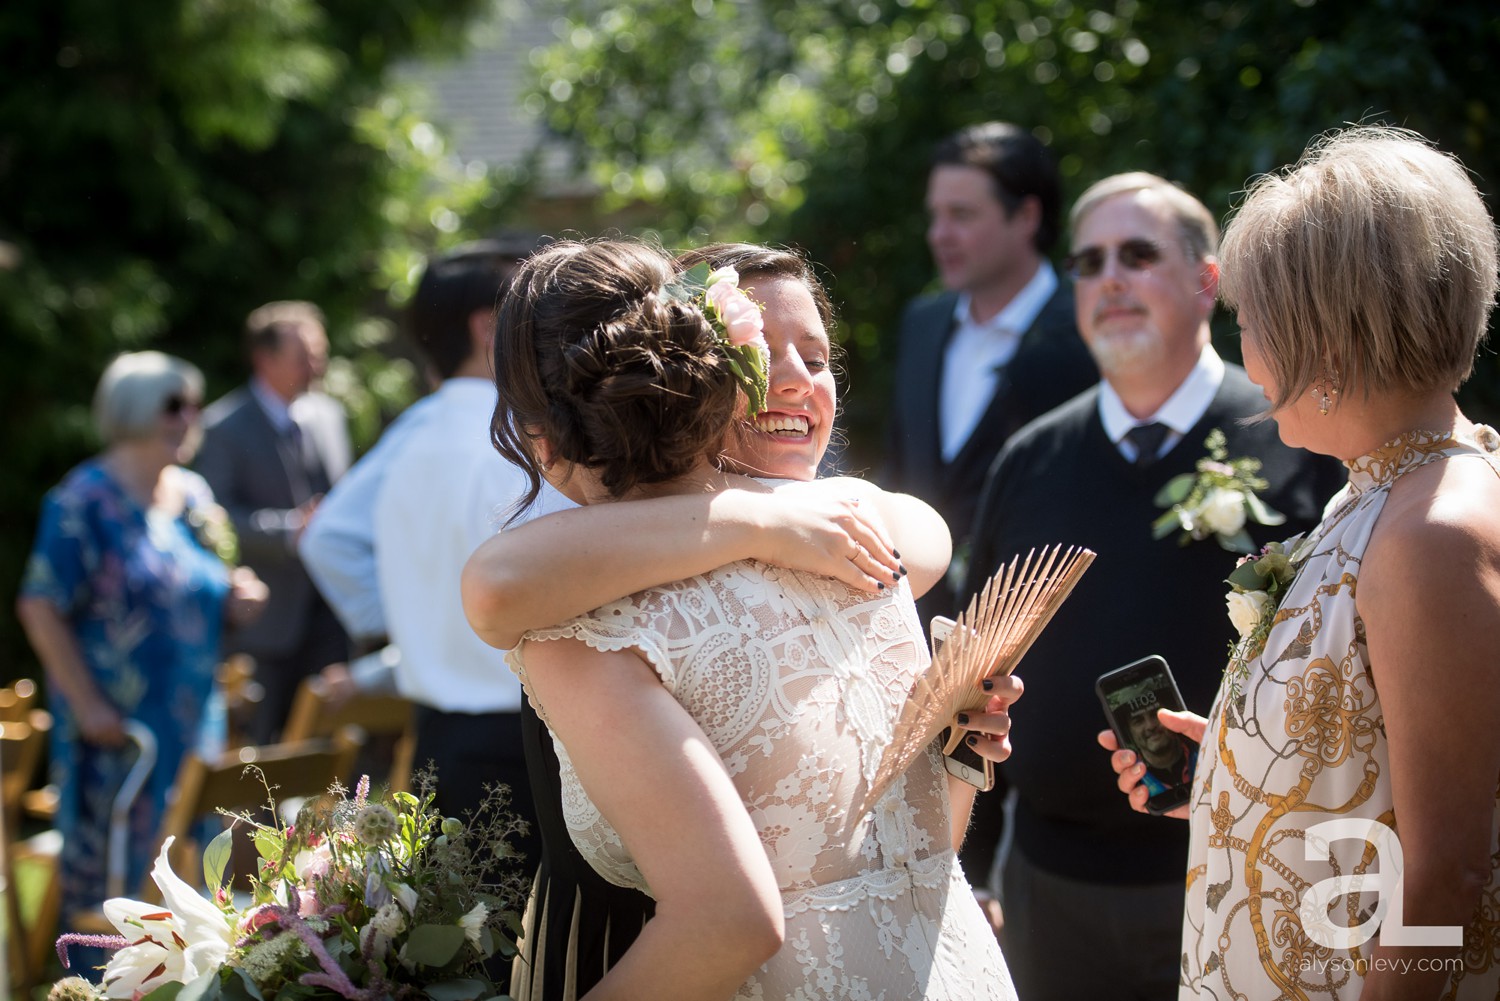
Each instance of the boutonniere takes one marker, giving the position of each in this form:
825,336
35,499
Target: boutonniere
1256,589
1217,500
215,532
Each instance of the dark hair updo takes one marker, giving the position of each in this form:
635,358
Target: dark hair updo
620,379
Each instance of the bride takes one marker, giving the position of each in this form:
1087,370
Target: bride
714,733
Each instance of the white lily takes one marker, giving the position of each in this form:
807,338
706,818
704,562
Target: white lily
473,922
177,941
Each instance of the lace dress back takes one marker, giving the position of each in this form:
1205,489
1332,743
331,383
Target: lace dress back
798,680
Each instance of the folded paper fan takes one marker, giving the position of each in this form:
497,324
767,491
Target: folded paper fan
990,637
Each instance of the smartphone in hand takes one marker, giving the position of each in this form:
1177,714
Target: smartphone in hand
1131,695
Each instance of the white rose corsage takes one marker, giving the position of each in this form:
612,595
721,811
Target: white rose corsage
1256,589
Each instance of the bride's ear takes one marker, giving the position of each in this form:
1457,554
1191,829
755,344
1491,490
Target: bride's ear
541,449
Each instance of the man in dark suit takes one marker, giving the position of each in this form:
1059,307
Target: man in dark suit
999,346
271,449
1086,878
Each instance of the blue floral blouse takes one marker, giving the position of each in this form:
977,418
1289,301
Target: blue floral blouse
145,600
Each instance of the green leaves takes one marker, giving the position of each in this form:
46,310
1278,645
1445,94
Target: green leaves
434,945
216,859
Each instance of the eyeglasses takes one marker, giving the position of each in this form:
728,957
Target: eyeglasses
174,405
1134,255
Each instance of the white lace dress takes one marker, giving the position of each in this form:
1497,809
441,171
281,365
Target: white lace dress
798,680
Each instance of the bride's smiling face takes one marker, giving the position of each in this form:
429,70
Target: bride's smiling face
789,438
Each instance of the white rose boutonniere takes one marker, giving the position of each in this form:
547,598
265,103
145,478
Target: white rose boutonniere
1218,500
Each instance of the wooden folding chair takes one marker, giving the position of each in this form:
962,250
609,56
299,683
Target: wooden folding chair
305,768
17,700
28,869
384,718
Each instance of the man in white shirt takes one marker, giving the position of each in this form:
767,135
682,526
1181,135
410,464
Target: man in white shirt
389,545
999,347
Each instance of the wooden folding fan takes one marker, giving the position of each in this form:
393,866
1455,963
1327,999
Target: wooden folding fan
990,637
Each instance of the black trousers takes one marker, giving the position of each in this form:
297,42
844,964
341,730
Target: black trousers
324,642
471,752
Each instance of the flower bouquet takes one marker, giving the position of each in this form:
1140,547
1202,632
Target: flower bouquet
358,899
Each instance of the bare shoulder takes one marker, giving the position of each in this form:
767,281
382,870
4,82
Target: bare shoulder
1438,534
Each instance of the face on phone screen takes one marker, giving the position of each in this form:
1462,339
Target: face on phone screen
1132,697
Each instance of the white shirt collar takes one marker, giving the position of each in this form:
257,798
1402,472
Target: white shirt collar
1183,409
1022,310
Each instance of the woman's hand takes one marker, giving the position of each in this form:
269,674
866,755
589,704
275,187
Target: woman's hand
1130,769
100,723
247,597
823,533
989,729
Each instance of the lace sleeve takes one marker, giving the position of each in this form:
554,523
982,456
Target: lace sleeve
627,624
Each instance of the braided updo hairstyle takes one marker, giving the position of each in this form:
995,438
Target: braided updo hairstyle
620,379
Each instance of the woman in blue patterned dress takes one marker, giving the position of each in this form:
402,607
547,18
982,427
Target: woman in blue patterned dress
124,600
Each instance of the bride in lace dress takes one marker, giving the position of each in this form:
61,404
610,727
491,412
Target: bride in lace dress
714,733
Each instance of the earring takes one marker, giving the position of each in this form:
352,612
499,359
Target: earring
1324,390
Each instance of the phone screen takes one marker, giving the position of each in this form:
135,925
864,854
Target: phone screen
1131,696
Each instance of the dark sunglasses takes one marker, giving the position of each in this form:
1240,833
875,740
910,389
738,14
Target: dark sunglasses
1136,255
175,405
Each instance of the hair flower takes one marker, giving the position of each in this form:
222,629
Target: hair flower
737,321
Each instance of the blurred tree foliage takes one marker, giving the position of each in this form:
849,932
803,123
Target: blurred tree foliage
169,166
810,121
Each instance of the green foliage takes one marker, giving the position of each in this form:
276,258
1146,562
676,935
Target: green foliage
169,166
810,121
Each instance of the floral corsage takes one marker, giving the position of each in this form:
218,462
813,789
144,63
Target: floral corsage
1217,500
736,319
1256,589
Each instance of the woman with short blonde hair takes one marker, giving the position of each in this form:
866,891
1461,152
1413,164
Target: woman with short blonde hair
1355,726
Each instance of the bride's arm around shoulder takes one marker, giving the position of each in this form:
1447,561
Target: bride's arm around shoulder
920,535
655,776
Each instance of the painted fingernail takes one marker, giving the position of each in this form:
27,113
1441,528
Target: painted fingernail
880,585
895,576
988,684
963,719
973,740
895,554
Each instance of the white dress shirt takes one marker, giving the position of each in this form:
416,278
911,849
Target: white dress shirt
1180,413
338,545
977,351
445,491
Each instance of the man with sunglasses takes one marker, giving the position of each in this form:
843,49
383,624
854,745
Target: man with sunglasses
1086,877
999,346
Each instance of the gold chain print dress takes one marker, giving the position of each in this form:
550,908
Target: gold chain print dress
798,681
1298,742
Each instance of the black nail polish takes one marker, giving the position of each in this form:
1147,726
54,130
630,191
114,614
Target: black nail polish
895,576
903,571
973,740
963,719
895,554
880,585
988,684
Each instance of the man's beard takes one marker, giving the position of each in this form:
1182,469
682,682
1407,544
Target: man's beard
1125,351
